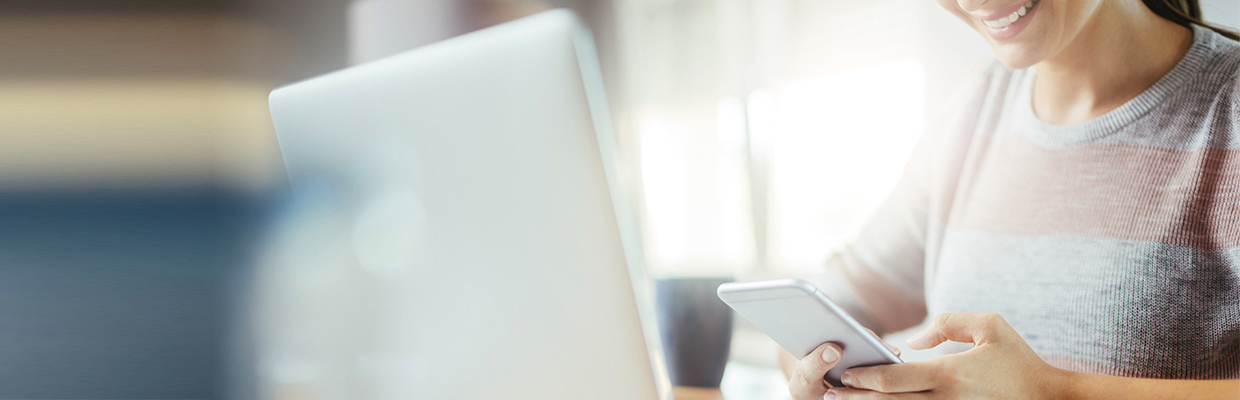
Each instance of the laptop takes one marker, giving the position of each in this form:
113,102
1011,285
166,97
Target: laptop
458,229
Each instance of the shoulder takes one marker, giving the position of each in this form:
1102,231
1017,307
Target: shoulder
1223,65
1224,51
982,97
988,78
972,111
1217,88
1229,66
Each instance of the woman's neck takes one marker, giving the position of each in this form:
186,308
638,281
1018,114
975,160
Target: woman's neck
1120,54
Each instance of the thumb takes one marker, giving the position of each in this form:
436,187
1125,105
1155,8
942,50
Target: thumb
976,328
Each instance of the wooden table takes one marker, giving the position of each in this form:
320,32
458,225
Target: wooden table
741,382
696,393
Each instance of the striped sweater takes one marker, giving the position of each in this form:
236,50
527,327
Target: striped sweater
1111,246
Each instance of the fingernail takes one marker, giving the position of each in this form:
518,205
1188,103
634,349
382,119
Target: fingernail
830,395
830,354
846,379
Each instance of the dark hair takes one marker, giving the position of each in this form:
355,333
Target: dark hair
1186,13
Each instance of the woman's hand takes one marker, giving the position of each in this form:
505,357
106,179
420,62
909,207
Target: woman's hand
1001,366
805,382
805,378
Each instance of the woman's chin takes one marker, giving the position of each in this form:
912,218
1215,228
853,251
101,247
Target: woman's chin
1015,56
1030,47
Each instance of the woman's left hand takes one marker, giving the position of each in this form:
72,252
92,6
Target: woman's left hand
1000,366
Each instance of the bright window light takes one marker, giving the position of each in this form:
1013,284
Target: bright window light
840,143
665,179
696,184
734,246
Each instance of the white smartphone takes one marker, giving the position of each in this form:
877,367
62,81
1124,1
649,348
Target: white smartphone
800,318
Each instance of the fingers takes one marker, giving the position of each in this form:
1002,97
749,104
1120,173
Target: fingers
893,349
807,380
854,394
859,394
894,378
823,358
976,328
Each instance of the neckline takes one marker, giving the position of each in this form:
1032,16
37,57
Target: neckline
1113,121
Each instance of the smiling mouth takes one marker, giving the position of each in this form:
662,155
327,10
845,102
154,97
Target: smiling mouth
1007,20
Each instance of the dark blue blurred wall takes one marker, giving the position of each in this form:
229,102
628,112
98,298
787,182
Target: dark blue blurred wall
136,294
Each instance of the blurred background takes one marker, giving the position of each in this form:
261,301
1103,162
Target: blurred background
139,173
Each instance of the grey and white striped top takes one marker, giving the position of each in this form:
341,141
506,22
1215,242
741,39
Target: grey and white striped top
1111,246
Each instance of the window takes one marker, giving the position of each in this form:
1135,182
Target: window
769,130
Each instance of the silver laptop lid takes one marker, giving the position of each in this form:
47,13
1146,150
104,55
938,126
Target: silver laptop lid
455,235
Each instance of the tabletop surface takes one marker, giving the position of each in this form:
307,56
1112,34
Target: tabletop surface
694,393
740,382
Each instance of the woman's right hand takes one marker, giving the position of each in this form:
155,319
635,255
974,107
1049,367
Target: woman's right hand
806,376
806,379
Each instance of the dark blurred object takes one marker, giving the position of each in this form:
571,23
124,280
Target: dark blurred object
125,294
696,328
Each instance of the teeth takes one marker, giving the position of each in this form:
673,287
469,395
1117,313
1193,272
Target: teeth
999,23
1005,21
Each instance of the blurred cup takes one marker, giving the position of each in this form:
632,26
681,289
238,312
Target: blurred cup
696,328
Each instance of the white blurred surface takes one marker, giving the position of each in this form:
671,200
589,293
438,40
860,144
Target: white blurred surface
454,234
840,145
1221,12
743,381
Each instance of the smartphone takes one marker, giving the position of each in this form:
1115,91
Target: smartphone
800,318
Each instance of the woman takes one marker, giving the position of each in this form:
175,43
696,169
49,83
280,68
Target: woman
1077,219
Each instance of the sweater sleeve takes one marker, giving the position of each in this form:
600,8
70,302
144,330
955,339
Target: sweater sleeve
879,276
